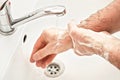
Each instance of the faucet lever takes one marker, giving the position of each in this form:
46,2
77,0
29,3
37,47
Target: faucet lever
8,24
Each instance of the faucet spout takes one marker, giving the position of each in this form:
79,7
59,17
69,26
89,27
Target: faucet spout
8,24
57,10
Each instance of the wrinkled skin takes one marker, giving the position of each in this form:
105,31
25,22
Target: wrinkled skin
106,19
91,36
51,42
88,42
83,41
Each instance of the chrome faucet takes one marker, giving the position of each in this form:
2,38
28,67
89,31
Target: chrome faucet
8,24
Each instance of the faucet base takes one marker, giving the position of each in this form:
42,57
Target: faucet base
7,33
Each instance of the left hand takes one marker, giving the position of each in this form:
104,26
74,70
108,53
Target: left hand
49,44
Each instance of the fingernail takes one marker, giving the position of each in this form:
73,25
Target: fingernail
43,65
31,59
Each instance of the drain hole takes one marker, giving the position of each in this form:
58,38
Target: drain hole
24,38
51,73
54,69
57,69
49,70
51,67
55,73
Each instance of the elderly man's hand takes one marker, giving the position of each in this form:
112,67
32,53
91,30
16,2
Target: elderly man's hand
83,41
88,42
50,43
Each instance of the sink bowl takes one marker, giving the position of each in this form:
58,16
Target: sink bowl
18,66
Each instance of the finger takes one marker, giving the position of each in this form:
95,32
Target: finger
41,63
105,32
42,53
80,34
75,32
44,62
82,24
51,48
50,59
40,43
71,26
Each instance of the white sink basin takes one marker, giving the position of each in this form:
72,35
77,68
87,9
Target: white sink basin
17,62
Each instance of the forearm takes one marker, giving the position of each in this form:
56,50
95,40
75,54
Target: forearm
88,42
114,55
113,52
114,58
106,19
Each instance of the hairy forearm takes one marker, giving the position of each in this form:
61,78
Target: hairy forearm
88,42
114,55
113,49
106,19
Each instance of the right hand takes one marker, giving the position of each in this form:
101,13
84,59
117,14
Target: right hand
88,42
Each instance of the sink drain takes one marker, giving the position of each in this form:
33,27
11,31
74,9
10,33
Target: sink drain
54,69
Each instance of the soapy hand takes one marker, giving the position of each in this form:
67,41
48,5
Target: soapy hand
83,41
51,42
88,42
54,41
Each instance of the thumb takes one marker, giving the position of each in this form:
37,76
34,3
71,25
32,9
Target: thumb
74,31
79,34
71,26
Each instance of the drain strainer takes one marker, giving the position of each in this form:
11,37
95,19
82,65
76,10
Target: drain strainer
54,69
